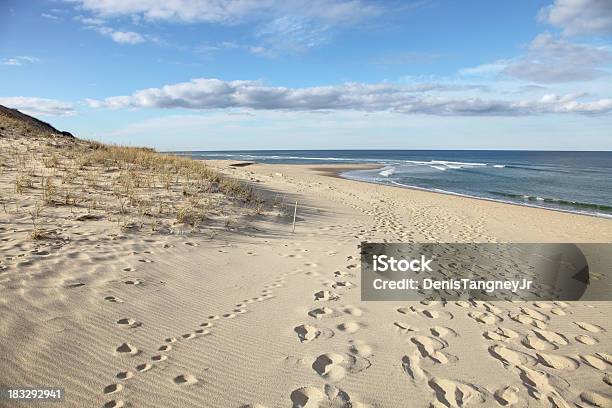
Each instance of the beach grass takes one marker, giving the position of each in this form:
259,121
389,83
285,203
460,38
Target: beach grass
135,187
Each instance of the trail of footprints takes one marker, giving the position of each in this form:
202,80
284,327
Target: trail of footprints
432,346
166,348
531,355
333,366
385,223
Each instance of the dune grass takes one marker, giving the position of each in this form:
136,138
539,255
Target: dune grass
135,187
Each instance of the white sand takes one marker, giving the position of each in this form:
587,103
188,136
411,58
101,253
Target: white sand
269,318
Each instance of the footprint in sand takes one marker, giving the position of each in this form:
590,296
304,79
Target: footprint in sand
454,394
543,305
485,317
128,269
584,339
185,379
411,366
124,375
361,348
596,399
501,334
528,320
556,339
114,404
141,368
133,282
127,348
428,313
538,384
170,339
606,357
349,327
112,388
594,361
441,332
192,244
558,311
544,340
507,396
534,314
321,312
353,311
307,397
535,343
145,260
429,348
330,396
159,358
306,333
113,299
405,327
328,366
589,327
165,347
325,295
339,274
342,284
511,357
127,322
557,362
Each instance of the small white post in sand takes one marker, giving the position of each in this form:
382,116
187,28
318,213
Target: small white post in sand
294,214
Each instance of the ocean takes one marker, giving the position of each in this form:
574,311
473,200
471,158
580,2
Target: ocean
570,181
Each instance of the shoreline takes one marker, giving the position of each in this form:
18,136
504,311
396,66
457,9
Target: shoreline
604,216
336,171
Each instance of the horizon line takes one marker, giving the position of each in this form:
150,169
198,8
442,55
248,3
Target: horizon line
387,150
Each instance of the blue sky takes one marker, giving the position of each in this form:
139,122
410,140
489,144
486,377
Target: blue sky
296,74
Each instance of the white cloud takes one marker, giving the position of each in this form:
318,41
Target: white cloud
127,37
121,37
292,34
550,60
38,106
90,21
228,11
213,94
49,16
100,26
493,68
278,25
578,17
18,60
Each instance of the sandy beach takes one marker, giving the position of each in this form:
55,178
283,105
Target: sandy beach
250,314
305,204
